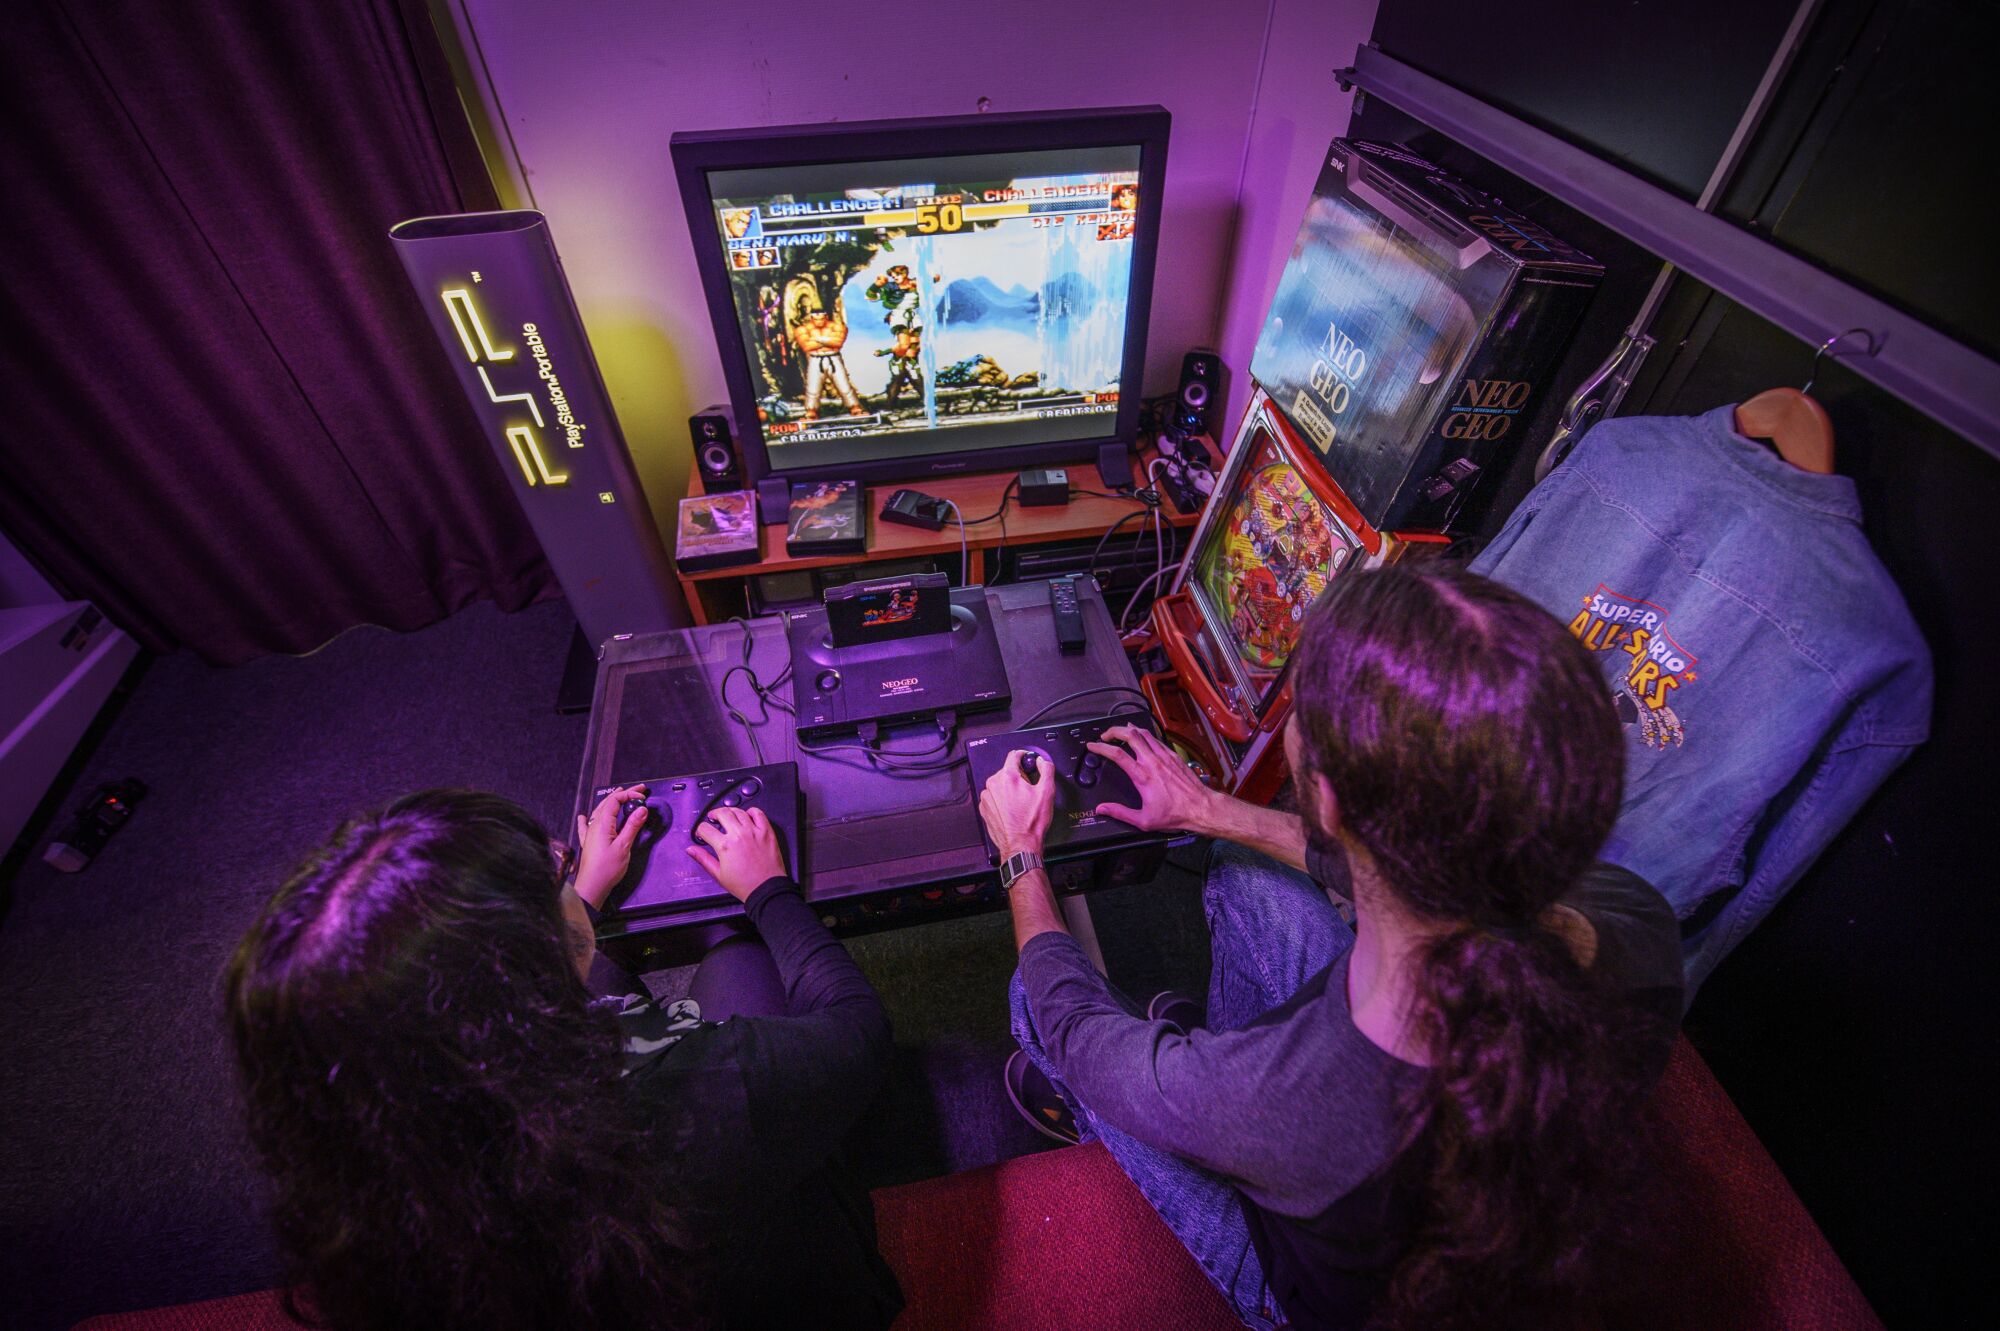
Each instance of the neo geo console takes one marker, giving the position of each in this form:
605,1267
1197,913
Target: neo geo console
899,678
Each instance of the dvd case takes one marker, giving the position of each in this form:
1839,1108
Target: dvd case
716,531
826,519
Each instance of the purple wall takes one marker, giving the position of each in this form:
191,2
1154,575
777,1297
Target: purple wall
1297,111
588,94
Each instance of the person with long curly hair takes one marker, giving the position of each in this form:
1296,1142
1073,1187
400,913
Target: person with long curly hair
471,1120
1418,1094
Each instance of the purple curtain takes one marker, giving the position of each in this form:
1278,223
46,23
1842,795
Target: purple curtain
227,421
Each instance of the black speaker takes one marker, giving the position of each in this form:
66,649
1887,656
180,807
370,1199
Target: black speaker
715,451
1200,391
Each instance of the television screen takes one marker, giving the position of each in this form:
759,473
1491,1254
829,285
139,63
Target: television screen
924,309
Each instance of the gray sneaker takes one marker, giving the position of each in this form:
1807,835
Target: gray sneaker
1038,1100
1177,1010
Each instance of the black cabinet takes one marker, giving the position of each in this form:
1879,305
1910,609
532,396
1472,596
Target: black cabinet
1854,1026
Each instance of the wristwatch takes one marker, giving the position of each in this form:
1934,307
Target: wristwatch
1020,862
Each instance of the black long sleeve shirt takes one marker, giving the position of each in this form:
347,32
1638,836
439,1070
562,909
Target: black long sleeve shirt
753,1112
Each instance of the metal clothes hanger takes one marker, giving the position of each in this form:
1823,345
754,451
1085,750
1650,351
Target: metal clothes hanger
1797,425
1601,395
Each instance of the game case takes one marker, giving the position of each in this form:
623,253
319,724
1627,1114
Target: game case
826,519
1414,330
884,610
716,531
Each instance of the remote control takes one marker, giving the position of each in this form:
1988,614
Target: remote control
1067,614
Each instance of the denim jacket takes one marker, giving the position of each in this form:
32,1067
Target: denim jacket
1767,671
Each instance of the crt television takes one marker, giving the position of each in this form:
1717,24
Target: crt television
896,299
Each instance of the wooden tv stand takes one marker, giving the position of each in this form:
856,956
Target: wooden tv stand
714,595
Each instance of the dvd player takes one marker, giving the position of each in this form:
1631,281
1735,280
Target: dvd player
837,690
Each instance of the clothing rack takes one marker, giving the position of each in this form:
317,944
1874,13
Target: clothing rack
1944,379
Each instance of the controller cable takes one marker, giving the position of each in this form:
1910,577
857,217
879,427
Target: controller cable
1150,507
1161,567
1132,603
895,762
997,515
964,555
889,762
1109,532
1153,487
764,693
1034,720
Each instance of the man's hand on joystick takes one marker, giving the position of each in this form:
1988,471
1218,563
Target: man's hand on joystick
1170,796
1018,806
739,848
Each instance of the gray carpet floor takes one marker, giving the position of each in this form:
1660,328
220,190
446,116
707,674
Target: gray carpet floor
125,1181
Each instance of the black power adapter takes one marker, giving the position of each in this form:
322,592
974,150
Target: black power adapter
1044,487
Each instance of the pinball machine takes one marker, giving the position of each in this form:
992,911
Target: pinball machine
1408,343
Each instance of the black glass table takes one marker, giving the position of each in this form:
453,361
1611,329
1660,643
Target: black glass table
882,848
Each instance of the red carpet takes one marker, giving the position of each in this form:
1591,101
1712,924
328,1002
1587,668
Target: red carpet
1041,1243
1062,1239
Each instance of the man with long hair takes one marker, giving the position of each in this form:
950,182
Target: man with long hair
461,1133
1430,1117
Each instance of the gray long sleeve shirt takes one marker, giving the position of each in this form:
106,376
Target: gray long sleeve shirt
1300,1110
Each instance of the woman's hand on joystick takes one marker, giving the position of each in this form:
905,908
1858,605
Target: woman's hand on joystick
604,849
739,848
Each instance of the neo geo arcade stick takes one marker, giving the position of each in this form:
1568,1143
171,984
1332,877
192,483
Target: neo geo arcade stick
1083,780
664,877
